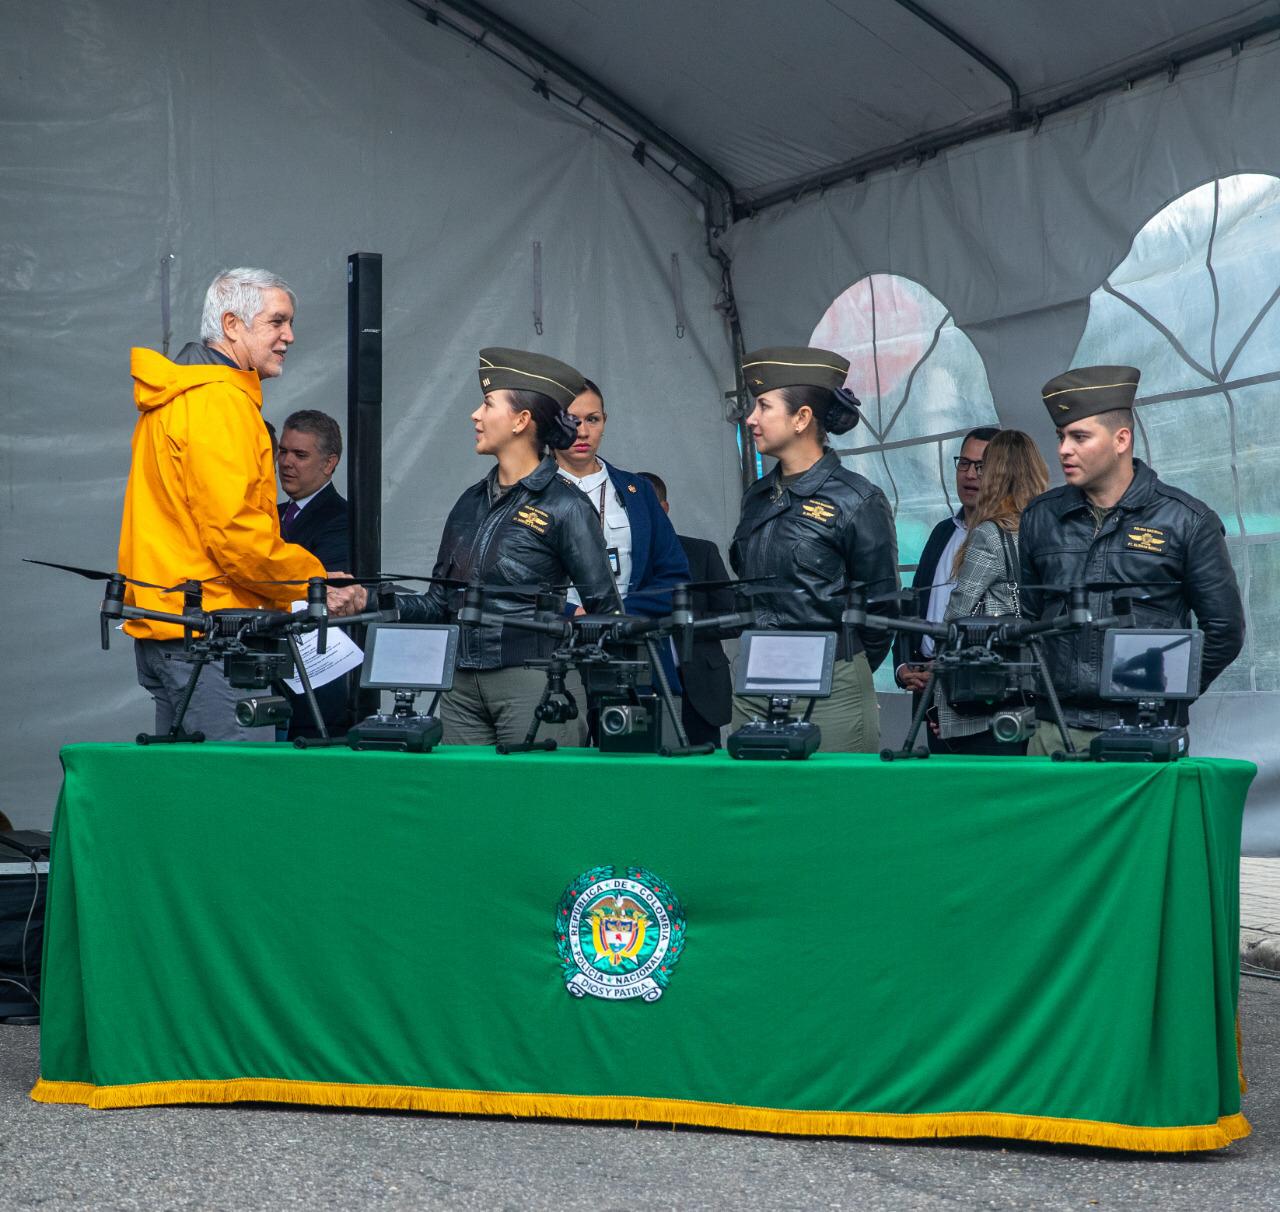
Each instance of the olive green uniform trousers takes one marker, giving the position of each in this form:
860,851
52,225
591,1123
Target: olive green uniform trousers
1047,740
486,706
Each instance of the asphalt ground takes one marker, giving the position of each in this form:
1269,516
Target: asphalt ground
267,1157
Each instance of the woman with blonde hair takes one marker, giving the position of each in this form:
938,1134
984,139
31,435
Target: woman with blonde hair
986,570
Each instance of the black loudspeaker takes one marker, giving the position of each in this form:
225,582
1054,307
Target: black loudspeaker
364,410
364,428
24,871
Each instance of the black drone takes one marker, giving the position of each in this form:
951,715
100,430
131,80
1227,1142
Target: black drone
980,661
258,648
607,649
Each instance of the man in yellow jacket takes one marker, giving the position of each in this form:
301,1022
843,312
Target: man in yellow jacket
201,500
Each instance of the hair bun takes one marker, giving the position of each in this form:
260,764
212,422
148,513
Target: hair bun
563,432
843,413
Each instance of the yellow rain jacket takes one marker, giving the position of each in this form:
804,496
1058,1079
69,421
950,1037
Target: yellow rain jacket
201,499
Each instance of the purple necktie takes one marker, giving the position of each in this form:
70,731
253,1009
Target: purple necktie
289,514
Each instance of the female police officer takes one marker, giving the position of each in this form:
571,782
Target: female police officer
814,527
521,524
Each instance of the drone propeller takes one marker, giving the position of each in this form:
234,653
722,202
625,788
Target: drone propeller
341,582
95,574
384,578
1102,586
707,586
900,597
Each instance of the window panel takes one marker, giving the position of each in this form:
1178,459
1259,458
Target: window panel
1221,446
909,477
1260,494
1260,355
1114,336
917,377
1263,605
1244,261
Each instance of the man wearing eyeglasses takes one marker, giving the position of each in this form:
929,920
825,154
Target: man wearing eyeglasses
913,653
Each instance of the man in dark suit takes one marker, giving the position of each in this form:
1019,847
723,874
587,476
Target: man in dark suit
935,573
707,704
315,517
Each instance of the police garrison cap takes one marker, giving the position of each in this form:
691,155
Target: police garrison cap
1089,390
519,370
793,366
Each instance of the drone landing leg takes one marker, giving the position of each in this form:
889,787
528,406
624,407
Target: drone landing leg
682,748
1069,752
305,679
175,734
530,744
909,748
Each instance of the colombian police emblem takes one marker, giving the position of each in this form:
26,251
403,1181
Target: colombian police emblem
619,936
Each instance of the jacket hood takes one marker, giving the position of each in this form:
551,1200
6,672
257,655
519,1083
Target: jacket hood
156,380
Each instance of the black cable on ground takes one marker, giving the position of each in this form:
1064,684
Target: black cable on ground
25,983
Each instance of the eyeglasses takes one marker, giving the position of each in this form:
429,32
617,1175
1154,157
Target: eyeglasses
963,464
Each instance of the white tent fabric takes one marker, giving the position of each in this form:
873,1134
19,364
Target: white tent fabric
768,92
290,135
1014,235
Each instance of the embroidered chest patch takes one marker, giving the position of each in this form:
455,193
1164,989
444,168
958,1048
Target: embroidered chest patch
818,510
535,519
1145,538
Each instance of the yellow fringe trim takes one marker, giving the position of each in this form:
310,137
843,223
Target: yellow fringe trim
653,1110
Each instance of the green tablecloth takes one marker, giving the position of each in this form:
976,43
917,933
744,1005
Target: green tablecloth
950,947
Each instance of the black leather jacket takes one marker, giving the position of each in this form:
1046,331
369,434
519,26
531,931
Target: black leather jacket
828,528
543,531
1156,532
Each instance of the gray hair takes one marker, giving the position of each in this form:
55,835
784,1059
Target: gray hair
238,291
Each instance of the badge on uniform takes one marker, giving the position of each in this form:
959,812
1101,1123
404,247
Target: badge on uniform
615,562
818,510
1145,538
535,519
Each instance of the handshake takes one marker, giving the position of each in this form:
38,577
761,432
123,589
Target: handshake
347,600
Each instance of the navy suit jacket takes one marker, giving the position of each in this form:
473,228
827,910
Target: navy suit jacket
322,528
657,559
906,648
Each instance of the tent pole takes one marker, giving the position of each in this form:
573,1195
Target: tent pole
717,192
648,130
975,53
727,305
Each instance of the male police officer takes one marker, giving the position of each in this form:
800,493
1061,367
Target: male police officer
1115,520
